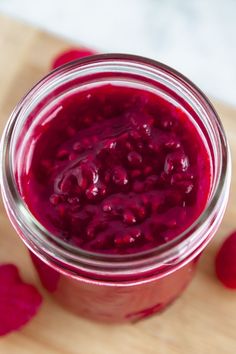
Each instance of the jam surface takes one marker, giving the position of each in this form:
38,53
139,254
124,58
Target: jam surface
116,170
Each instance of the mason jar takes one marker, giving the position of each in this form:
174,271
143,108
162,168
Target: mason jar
106,287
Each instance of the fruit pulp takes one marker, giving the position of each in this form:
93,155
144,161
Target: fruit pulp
116,170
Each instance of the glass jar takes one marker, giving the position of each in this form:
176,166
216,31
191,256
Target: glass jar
115,288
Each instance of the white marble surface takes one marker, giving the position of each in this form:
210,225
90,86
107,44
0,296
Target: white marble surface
197,37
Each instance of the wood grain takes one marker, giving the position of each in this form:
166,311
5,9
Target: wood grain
201,321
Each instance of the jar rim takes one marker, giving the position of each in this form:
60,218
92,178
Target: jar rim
56,246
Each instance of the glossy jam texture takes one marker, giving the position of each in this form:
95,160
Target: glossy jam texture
116,170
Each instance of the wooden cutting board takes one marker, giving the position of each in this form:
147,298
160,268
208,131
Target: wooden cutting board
201,321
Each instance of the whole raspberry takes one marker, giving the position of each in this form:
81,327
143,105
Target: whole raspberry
225,262
19,302
70,55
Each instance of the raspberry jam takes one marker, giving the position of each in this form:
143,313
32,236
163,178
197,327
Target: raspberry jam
116,170
123,164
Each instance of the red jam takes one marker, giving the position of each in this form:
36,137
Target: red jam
116,170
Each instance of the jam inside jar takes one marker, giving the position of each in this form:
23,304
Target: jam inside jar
120,177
